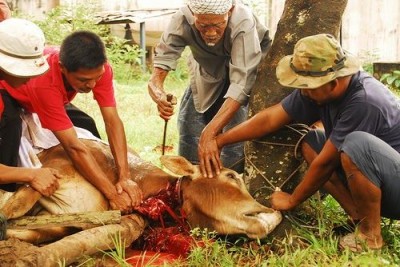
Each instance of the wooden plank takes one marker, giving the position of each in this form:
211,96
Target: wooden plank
81,220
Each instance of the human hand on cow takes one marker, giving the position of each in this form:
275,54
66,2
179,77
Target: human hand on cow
121,202
132,189
281,201
209,154
44,180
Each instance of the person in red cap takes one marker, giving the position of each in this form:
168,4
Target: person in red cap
21,58
356,158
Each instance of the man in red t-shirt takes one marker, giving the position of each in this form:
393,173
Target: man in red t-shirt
81,67
21,58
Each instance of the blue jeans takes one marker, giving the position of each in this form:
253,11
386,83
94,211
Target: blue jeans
190,125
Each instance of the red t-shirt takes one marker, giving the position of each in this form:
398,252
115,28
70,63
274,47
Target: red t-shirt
46,95
1,107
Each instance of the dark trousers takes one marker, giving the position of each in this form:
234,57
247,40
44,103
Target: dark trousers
81,119
10,134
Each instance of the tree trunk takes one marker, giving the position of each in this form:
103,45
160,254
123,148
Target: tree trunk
270,161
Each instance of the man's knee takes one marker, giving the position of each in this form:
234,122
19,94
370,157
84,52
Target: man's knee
348,165
309,154
312,144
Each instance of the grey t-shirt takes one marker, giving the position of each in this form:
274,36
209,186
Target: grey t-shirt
236,57
367,106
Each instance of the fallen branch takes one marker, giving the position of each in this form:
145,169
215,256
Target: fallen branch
81,220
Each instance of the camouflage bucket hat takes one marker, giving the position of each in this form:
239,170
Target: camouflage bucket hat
317,60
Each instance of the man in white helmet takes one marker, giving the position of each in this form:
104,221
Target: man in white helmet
227,43
21,58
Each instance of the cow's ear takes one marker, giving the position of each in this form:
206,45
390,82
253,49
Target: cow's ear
178,165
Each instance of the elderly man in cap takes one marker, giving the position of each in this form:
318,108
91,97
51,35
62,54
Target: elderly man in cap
21,58
356,158
227,43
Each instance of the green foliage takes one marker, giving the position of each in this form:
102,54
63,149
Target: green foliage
392,80
367,59
209,252
181,73
63,20
124,57
117,254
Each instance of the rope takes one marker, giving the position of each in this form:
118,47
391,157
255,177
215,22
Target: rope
300,129
262,175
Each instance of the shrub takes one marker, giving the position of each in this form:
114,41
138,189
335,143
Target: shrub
63,20
392,80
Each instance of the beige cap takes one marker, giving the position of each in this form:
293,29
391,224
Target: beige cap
21,48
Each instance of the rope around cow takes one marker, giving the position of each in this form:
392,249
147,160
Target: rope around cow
302,131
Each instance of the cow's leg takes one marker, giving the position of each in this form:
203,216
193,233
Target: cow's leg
38,236
86,243
20,202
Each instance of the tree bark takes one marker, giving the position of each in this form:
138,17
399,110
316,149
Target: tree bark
270,161
80,220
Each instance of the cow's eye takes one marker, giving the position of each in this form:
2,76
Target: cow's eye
231,175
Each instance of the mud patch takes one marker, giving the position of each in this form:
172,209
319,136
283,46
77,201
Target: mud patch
13,250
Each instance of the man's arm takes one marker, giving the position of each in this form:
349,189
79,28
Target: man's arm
264,122
89,168
208,152
117,140
43,180
318,173
158,94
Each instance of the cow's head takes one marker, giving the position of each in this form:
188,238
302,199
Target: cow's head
223,203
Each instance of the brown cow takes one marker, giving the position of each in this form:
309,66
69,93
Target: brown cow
222,204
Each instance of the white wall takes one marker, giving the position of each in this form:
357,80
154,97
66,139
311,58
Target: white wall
370,27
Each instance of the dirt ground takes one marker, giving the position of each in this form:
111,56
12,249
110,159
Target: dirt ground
12,250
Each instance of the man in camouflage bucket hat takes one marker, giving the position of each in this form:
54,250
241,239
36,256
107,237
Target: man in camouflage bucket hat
356,157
